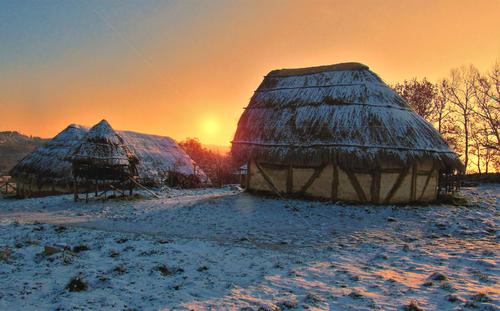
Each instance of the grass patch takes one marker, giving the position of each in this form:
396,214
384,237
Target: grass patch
77,284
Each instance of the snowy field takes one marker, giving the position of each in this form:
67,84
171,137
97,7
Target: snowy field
223,249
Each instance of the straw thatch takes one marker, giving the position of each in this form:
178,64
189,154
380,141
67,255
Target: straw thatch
47,163
103,154
343,114
157,156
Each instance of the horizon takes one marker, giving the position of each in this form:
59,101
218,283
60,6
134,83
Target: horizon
174,69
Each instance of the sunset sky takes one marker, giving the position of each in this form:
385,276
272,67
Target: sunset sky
187,68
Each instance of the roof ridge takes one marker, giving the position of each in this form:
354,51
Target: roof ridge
347,66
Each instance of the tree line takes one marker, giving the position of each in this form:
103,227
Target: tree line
219,167
465,108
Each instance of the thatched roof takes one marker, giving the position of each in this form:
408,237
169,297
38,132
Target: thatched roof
103,146
341,113
47,163
156,154
159,154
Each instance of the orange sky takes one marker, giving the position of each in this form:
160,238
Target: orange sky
187,69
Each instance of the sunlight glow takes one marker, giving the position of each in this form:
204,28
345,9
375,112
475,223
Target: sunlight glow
210,127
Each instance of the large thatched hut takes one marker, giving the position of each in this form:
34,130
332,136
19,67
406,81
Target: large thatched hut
339,132
47,170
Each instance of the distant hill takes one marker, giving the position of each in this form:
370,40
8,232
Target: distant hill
14,146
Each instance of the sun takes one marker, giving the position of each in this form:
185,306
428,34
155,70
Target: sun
210,127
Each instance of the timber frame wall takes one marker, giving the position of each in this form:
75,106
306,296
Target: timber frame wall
416,183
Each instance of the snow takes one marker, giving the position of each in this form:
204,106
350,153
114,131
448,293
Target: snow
225,249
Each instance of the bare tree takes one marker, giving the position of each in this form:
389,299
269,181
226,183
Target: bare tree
487,96
460,91
442,109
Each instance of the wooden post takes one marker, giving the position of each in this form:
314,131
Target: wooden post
375,188
75,187
413,191
335,183
248,175
289,180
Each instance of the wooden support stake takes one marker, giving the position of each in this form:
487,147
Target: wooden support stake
144,188
116,189
75,186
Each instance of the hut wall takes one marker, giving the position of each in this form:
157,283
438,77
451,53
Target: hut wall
417,183
322,185
256,180
300,177
346,191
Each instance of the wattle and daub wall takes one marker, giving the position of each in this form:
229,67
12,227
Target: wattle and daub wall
417,183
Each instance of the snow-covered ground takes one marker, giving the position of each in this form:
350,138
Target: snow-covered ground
223,249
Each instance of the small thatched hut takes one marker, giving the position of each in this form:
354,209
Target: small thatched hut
339,132
103,157
47,171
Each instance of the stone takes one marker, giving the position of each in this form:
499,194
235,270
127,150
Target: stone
51,250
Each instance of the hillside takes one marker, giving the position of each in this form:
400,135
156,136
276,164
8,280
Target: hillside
14,146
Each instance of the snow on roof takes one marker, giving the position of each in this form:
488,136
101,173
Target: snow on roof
47,163
317,69
102,145
339,113
156,155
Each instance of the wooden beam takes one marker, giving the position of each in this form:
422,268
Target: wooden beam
375,187
144,188
355,183
248,175
116,189
335,183
396,185
427,180
75,186
268,179
314,176
289,180
413,189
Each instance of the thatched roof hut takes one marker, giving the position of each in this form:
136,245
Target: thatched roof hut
47,170
103,154
341,116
